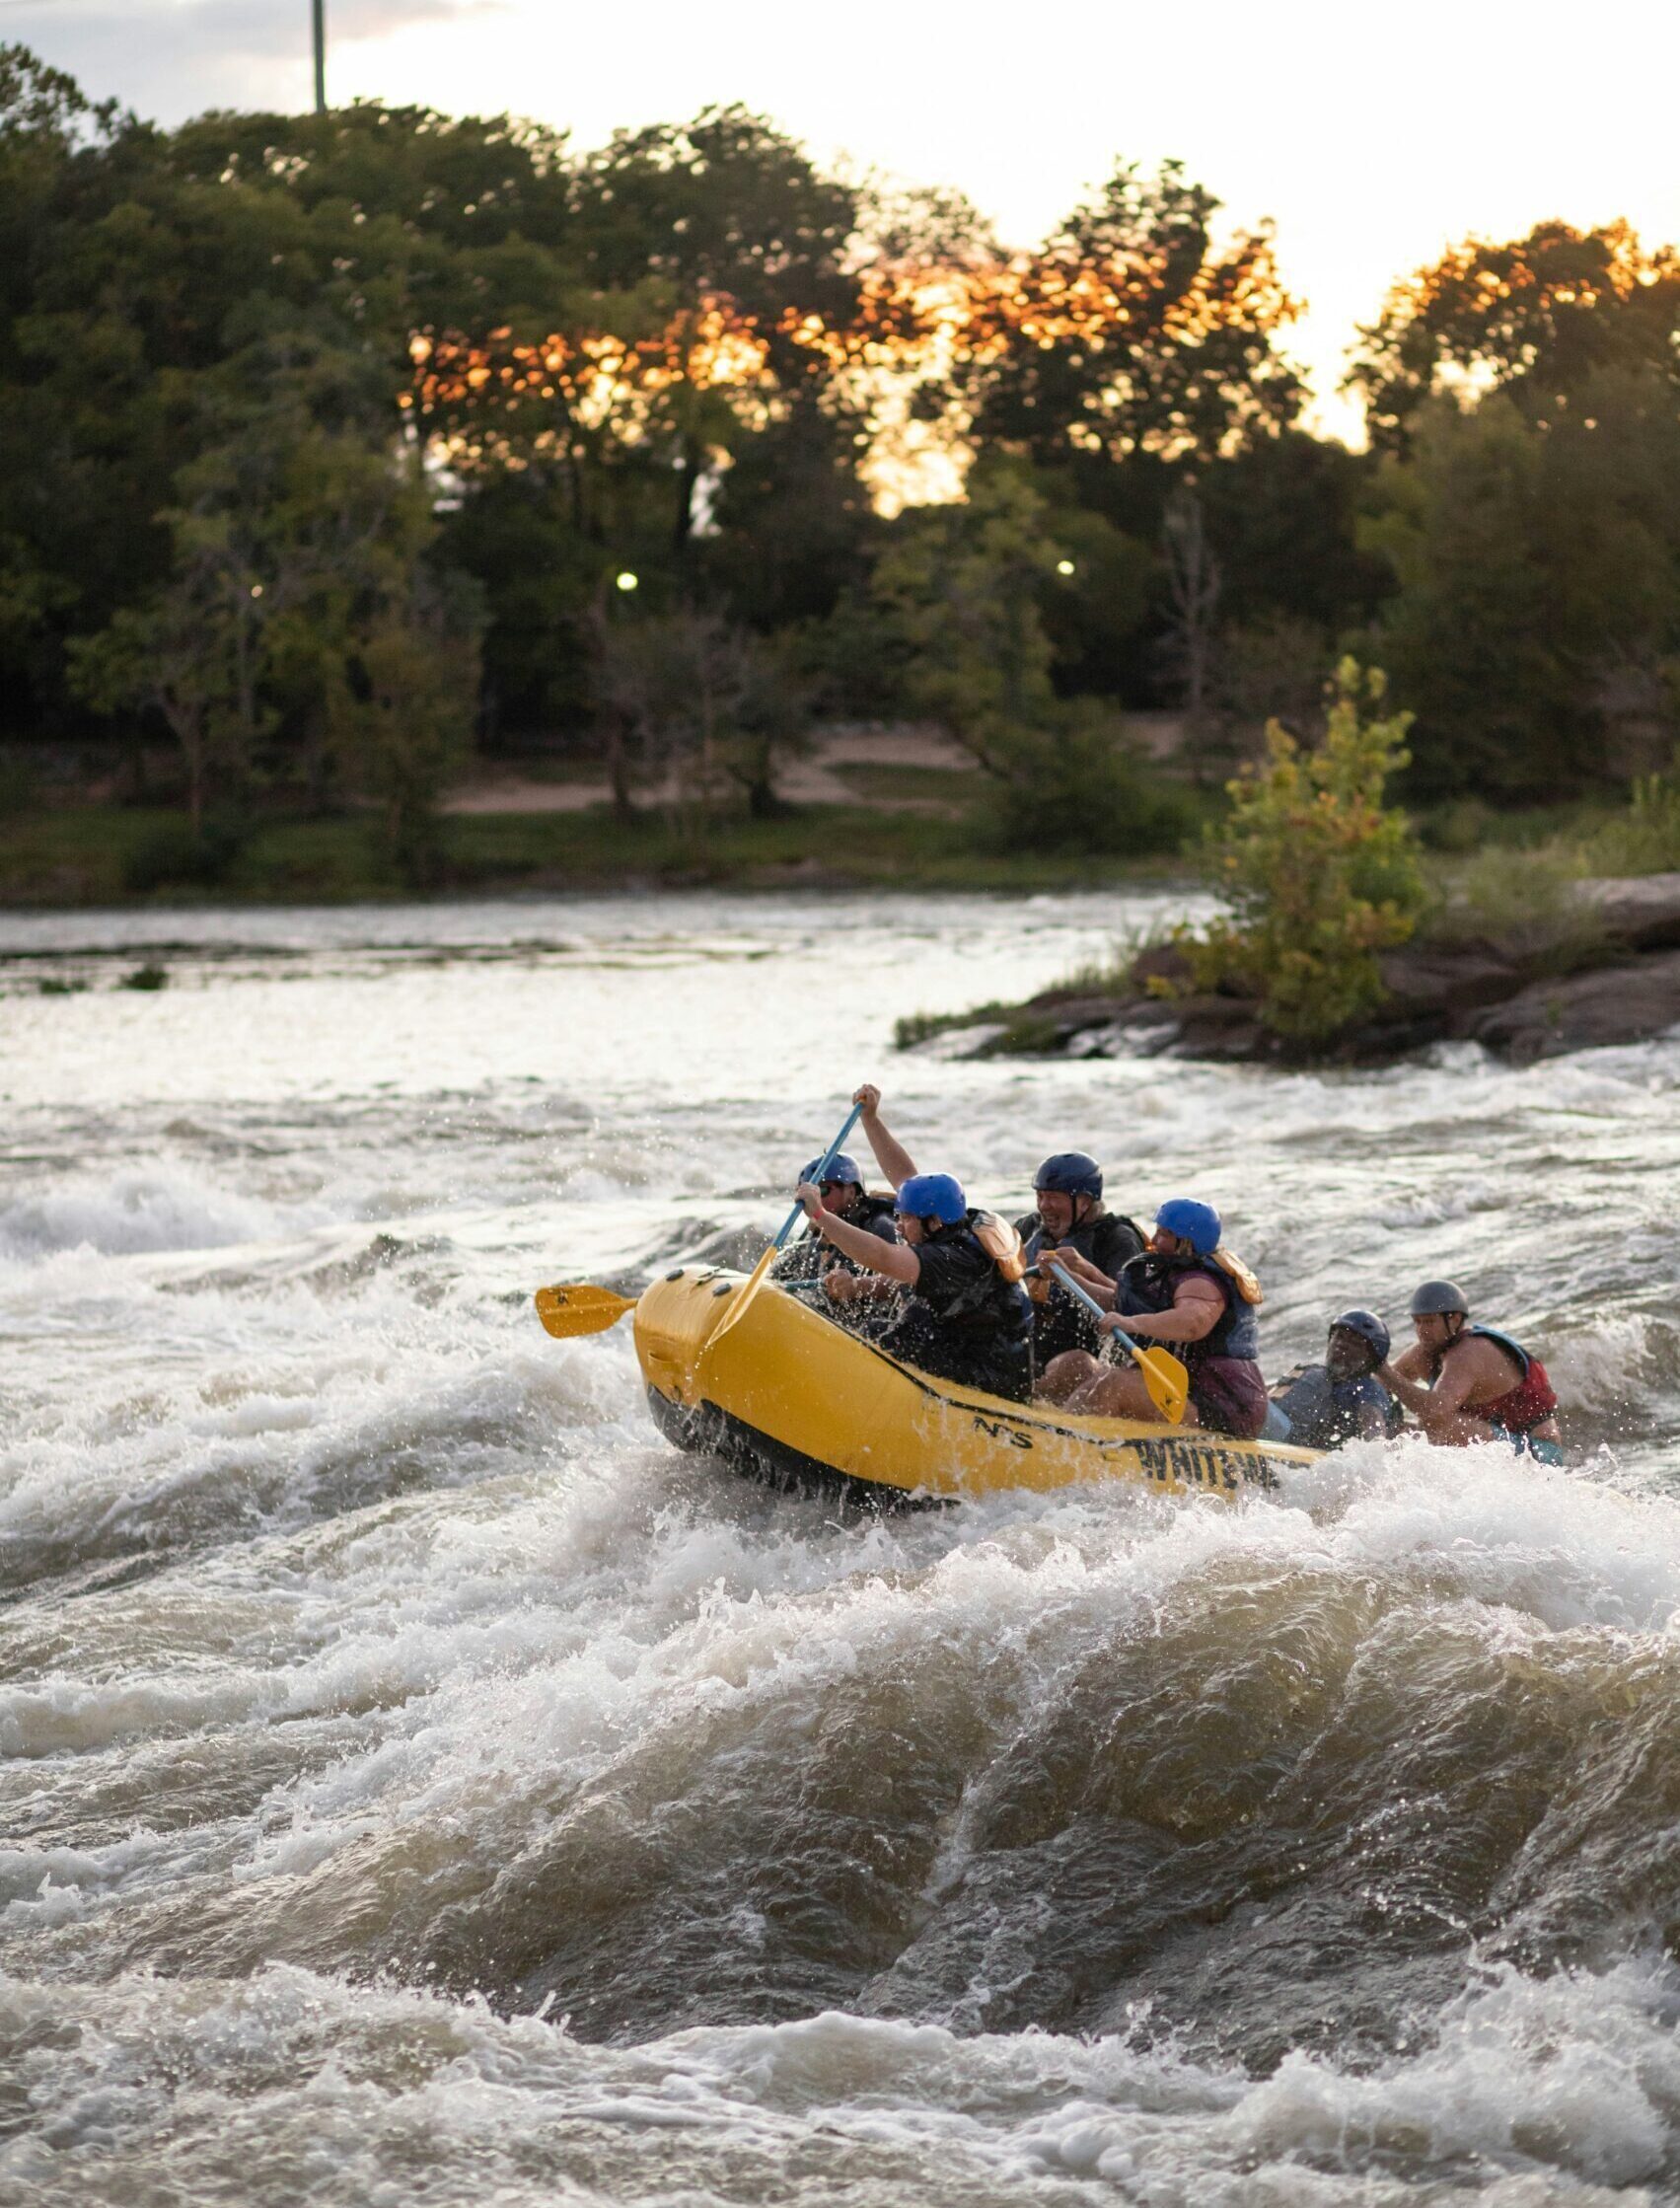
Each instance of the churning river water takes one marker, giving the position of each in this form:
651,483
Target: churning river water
420,1785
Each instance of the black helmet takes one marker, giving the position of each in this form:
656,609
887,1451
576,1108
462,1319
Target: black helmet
1069,1173
1438,1299
1368,1327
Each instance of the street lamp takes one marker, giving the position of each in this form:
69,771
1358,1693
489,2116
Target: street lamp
1064,567
318,9
626,581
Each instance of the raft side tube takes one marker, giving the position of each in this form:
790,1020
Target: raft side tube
789,1393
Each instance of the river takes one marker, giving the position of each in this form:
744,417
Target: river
420,1785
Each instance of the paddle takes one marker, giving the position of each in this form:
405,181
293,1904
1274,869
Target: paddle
1164,1377
732,1311
581,1309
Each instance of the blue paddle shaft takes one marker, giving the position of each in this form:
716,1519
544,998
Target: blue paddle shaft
828,1158
1093,1306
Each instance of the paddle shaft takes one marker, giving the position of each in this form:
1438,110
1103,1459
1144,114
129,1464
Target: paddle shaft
734,1308
1095,1308
828,1158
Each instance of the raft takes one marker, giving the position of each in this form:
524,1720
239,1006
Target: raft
790,1397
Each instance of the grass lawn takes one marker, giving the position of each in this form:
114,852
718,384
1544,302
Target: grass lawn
105,855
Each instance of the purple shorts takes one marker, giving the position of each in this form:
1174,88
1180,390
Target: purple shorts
1229,1395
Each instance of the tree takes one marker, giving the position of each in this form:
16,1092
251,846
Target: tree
700,704
1533,319
402,713
960,585
1318,874
1130,330
1533,563
1194,580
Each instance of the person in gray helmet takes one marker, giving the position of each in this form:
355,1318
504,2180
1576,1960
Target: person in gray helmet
1342,1399
844,1196
1467,1383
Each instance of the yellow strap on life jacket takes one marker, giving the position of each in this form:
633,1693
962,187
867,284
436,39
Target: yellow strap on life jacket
1000,1242
1246,1285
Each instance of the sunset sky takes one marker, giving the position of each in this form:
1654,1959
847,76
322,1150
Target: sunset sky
1373,137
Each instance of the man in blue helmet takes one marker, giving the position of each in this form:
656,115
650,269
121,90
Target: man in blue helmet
843,1193
1194,1296
1342,1399
962,1314
1071,1218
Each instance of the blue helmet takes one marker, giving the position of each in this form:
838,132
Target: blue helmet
932,1196
840,1168
1192,1222
1368,1327
1069,1173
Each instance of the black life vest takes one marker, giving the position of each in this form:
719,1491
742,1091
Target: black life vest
1107,1240
990,1304
1148,1282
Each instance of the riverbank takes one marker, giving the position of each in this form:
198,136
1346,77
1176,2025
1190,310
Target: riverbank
103,856
1526,994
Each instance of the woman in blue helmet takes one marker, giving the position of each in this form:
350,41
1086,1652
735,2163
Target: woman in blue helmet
963,1315
1192,1296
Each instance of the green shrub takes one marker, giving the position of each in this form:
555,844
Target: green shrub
172,857
1079,788
1525,899
146,978
1647,839
1318,874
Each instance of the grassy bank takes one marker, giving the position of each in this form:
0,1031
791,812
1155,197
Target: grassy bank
102,855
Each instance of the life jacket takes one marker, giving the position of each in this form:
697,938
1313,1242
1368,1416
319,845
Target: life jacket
1150,1281
1530,1402
995,1302
1000,1242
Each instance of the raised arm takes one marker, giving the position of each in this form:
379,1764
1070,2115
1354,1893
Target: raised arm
890,1153
1405,1379
896,1260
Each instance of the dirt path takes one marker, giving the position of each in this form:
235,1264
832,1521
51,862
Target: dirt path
809,781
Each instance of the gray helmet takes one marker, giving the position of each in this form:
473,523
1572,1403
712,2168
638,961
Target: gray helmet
1438,1299
1368,1327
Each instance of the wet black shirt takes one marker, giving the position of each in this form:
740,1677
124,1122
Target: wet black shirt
1059,1320
963,1321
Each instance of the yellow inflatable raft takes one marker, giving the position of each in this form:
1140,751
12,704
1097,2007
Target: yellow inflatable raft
786,1394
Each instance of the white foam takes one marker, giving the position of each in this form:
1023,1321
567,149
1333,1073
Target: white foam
1564,2084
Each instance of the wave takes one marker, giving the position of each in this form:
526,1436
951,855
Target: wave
1528,2091
148,1209
1270,1778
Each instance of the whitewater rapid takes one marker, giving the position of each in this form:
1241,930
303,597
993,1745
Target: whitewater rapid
417,1783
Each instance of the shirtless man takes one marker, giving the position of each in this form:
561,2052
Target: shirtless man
1467,1383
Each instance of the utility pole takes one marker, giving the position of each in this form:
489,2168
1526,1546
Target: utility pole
319,8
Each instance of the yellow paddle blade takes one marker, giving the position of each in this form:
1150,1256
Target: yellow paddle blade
1167,1382
733,1311
579,1308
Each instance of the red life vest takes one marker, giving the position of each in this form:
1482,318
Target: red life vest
1530,1402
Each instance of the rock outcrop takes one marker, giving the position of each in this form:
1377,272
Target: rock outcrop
1625,988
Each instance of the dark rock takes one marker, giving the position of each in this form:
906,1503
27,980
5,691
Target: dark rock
1161,962
1625,1004
1490,992
1642,911
1447,978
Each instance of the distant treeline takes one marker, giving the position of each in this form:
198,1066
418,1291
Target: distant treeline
332,446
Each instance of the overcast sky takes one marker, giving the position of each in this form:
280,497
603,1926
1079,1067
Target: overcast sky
1373,136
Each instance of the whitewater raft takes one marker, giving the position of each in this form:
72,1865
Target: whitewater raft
788,1396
